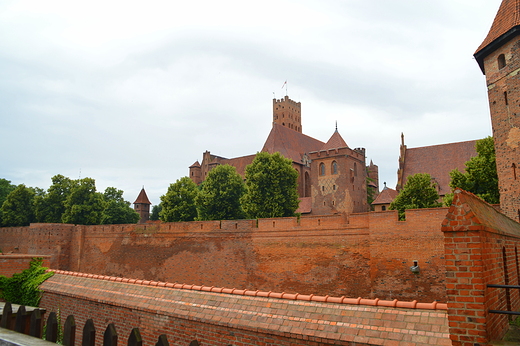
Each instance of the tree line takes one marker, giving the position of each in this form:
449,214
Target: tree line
480,178
65,201
270,189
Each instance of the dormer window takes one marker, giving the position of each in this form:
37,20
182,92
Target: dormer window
501,61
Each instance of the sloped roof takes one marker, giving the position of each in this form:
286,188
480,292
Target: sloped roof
335,142
305,205
142,198
480,212
438,161
239,163
503,28
386,196
196,164
291,144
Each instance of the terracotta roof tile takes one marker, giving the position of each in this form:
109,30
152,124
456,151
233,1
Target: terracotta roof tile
305,205
315,318
438,161
196,164
291,144
335,142
142,198
505,26
239,163
386,196
508,16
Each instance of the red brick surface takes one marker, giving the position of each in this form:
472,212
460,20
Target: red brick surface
477,240
221,319
16,263
364,255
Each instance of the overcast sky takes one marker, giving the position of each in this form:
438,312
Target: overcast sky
132,93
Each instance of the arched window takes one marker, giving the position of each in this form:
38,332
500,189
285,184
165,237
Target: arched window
322,169
501,61
355,169
307,184
334,167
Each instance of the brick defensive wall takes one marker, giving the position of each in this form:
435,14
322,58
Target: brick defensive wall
364,255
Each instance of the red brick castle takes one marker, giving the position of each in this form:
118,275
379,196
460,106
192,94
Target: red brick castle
332,176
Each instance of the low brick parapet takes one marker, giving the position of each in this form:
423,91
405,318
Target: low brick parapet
324,322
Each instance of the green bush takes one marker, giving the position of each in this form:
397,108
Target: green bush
24,288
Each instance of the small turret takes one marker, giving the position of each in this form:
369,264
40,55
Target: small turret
142,206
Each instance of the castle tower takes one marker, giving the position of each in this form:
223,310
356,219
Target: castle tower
196,173
499,59
142,206
288,113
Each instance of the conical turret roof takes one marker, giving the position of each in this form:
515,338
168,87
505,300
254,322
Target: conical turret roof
335,142
504,27
142,198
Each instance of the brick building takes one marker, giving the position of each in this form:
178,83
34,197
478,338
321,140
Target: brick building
499,59
436,160
332,176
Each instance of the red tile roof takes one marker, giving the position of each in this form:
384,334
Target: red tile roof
438,161
196,164
291,144
508,16
239,163
505,26
142,198
386,196
305,205
335,142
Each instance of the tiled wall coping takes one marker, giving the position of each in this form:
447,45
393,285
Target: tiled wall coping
323,299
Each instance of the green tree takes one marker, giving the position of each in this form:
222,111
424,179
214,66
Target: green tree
219,198
271,187
84,206
116,209
481,173
50,207
418,192
18,207
156,211
5,189
179,202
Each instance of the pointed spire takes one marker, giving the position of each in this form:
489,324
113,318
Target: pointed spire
335,142
142,198
505,26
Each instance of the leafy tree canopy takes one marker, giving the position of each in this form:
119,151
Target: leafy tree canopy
418,192
50,207
18,209
481,173
156,211
5,189
84,206
219,198
271,187
179,203
116,209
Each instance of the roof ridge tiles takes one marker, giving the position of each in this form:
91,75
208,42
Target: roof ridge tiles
256,293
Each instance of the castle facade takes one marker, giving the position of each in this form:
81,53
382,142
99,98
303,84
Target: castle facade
332,177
